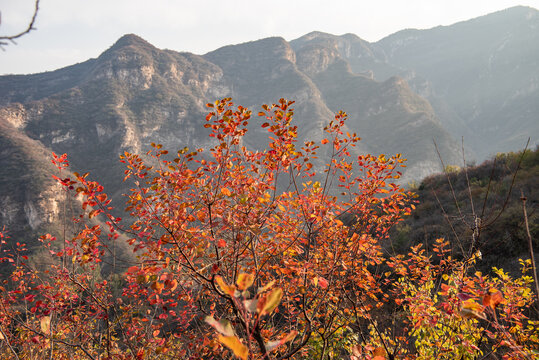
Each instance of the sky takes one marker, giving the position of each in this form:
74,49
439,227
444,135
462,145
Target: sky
72,31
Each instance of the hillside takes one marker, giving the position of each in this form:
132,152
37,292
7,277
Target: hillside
497,207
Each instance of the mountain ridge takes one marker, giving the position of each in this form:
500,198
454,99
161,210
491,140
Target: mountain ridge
134,94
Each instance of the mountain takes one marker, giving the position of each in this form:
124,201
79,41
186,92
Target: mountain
388,115
134,94
481,76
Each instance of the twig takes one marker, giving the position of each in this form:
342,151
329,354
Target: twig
530,244
476,220
30,27
449,182
510,187
8,343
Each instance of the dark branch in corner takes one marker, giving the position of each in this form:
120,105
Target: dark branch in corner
6,39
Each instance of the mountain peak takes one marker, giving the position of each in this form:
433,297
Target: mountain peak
131,40
521,9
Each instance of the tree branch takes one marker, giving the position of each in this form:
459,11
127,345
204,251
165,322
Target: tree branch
11,38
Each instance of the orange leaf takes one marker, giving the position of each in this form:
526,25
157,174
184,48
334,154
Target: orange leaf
226,192
230,290
494,299
379,353
221,243
234,344
173,284
158,287
324,141
201,215
323,282
274,344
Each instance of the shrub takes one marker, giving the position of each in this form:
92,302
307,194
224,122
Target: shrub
227,263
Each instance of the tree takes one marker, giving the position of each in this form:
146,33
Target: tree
227,263
7,39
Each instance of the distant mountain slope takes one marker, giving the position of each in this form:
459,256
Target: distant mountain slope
388,115
29,198
485,70
481,76
318,78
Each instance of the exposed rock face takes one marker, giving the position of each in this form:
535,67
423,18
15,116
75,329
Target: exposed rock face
29,198
400,93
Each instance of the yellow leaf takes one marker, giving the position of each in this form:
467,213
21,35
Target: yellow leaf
234,344
45,324
269,302
245,281
157,286
471,309
266,287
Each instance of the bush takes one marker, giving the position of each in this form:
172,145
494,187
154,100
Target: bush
226,263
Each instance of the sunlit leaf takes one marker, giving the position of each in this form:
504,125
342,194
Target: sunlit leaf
266,287
274,344
45,324
227,289
234,344
222,326
471,309
245,281
269,302
493,299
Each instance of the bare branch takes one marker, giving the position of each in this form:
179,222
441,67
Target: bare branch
6,39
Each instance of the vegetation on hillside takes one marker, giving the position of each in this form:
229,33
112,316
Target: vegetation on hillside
478,208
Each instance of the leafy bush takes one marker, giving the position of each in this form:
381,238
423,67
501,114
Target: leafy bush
227,264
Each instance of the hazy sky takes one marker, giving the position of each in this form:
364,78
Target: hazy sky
71,31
